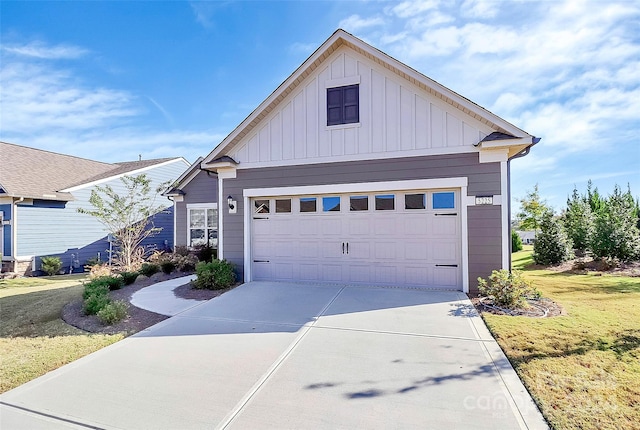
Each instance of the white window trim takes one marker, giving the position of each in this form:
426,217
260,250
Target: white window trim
192,206
460,183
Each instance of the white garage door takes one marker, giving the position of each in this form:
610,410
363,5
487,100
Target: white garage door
408,238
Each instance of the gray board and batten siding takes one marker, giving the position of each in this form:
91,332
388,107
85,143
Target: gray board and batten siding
484,222
203,188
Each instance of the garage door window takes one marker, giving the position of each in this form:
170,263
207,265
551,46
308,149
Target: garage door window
307,204
261,206
414,201
444,200
359,203
331,204
283,206
385,202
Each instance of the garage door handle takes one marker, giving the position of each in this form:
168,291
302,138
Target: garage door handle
446,214
343,247
347,247
260,261
446,265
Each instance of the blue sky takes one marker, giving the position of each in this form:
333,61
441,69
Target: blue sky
111,80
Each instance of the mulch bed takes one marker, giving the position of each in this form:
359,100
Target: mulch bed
138,319
539,308
186,291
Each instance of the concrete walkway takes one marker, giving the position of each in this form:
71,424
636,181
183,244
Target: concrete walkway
159,298
291,356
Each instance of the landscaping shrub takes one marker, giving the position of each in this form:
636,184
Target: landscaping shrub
552,246
516,242
185,263
95,289
94,303
216,275
111,282
51,265
113,312
579,221
128,278
206,253
149,269
168,266
99,271
507,289
181,250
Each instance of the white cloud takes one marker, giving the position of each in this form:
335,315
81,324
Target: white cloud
479,8
410,8
38,49
52,108
354,22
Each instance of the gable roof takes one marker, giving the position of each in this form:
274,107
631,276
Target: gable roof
341,38
35,173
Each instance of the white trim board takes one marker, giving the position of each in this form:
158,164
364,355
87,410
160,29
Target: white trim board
362,187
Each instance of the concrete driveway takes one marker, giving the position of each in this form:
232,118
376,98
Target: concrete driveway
291,356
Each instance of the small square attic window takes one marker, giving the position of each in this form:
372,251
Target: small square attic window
343,105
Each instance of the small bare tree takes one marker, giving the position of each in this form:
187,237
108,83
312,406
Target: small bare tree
127,217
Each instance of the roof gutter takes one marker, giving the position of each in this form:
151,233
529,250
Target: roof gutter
526,151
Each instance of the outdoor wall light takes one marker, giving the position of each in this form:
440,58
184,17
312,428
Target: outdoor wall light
230,202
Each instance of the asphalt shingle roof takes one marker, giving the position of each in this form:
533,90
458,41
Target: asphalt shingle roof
34,173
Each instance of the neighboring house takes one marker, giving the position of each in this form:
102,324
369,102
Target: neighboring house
358,169
527,237
40,193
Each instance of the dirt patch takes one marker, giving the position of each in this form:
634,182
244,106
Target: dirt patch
586,265
539,308
138,319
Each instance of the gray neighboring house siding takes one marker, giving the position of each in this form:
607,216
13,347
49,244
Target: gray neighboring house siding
201,189
484,227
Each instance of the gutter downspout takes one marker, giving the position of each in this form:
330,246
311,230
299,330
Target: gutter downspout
520,154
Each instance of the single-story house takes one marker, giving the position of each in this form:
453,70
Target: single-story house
528,237
40,193
357,169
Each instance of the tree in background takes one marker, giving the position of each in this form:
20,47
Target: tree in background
552,246
579,221
532,210
516,242
616,228
128,217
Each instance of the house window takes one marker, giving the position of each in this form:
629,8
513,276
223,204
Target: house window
331,204
203,226
343,105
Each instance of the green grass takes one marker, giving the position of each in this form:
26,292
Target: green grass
33,338
583,369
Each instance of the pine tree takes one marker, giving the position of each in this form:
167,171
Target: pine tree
552,246
579,221
616,231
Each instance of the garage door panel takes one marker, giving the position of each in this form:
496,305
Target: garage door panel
262,249
416,251
359,250
308,249
415,225
331,273
446,226
386,274
308,226
385,250
359,273
283,226
416,275
284,249
443,251
445,277
262,270
331,226
359,225
308,272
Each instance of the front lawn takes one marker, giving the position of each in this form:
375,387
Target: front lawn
33,338
583,369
